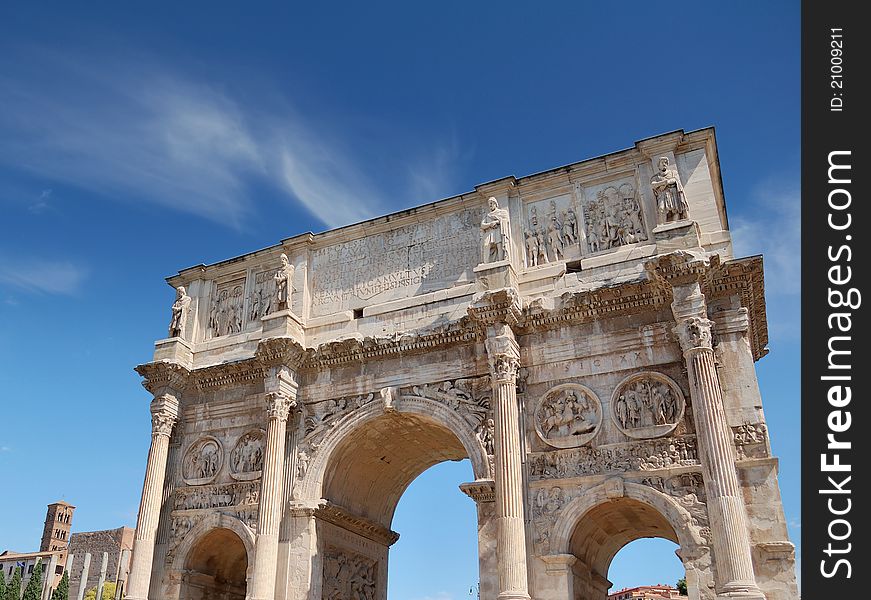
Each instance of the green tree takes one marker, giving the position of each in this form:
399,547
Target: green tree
33,591
62,591
108,592
681,586
13,590
2,585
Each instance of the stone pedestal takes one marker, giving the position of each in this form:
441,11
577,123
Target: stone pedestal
175,350
677,235
494,276
283,323
164,413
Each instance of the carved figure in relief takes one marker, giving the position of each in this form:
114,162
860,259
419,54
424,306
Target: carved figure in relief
570,227
348,576
554,237
495,230
225,313
647,406
302,463
486,433
247,456
180,309
532,249
671,203
202,461
568,415
284,283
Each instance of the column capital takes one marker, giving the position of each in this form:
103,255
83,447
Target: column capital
278,405
164,377
694,333
679,268
164,414
503,354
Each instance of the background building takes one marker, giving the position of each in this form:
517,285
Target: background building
647,592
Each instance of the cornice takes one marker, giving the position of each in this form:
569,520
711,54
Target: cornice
335,514
590,305
404,343
744,277
227,374
280,351
163,374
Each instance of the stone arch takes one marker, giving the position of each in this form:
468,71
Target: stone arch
210,523
577,535
572,514
446,426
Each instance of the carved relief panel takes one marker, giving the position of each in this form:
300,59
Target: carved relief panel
202,461
647,405
246,458
402,262
568,415
226,309
612,214
551,231
261,298
348,575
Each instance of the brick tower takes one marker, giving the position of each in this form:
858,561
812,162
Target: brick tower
56,533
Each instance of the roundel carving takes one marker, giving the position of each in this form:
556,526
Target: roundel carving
202,461
647,405
246,459
568,415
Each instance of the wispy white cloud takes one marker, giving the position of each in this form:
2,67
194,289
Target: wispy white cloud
41,204
42,276
771,225
130,130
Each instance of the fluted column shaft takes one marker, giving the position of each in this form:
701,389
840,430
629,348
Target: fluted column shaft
504,357
278,407
726,509
164,413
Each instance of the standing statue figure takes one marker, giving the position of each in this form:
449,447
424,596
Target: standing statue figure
671,203
284,283
495,233
179,312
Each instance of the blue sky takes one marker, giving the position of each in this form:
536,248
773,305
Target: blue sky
136,140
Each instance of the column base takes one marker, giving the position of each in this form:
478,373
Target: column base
513,596
744,591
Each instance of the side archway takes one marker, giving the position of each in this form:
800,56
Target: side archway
217,552
593,527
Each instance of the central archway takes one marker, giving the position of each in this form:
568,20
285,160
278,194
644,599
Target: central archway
216,568
361,470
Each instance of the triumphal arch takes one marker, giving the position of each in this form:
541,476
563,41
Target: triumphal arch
584,336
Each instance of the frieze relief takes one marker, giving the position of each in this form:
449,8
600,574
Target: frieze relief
613,216
568,415
226,309
551,232
202,461
647,405
261,300
245,493
470,397
246,458
648,455
348,575
751,440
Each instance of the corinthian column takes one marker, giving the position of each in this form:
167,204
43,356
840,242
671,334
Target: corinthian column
503,354
278,405
726,509
164,413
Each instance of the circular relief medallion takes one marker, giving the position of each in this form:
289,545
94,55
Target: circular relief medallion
647,405
246,459
202,461
568,415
